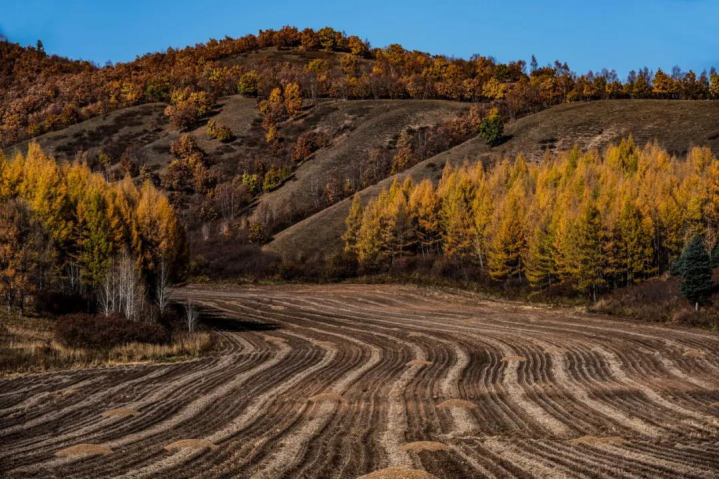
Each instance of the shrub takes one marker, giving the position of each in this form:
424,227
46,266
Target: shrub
99,332
247,86
59,303
308,143
219,131
224,133
492,129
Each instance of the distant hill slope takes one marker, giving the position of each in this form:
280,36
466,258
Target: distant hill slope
675,125
369,124
145,128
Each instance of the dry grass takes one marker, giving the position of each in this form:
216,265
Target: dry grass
190,444
84,450
398,473
27,345
660,300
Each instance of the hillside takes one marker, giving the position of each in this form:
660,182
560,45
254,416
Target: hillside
367,124
675,125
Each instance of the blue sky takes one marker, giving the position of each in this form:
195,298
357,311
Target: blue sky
588,35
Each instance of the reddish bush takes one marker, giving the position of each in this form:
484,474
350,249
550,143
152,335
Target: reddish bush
99,332
308,143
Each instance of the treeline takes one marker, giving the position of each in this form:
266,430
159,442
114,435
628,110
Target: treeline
67,235
41,93
593,221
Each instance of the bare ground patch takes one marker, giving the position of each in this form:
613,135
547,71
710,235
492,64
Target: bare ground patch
84,450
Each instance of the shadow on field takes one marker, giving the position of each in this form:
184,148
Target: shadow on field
219,321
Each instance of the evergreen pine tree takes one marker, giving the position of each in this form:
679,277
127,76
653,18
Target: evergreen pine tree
715,255
696,271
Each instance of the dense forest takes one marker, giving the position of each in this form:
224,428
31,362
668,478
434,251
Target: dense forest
70,239
41,93
593,221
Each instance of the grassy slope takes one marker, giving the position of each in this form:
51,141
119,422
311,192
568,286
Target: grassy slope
676,125
366,124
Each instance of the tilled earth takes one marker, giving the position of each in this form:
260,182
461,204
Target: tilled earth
394,382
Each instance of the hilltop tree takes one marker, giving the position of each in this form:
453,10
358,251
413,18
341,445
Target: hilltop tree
696,271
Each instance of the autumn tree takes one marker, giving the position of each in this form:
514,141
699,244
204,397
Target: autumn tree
588,250
248,83
354,223
293,99
24,254
506,259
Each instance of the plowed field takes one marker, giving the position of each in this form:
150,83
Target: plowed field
386,381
